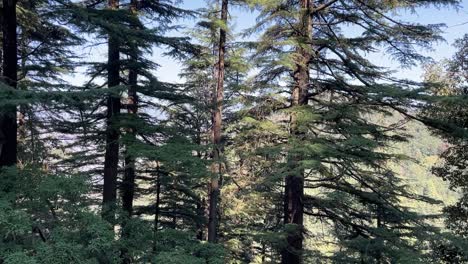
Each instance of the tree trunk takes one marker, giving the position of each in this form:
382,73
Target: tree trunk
156,206
1,46
8,128
128,183
201,203
380,226
218,98
201,225
294,182
112,131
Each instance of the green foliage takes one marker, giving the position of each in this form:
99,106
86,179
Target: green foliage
180,247
353,143
45,218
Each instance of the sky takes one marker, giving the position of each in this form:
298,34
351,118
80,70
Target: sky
456,21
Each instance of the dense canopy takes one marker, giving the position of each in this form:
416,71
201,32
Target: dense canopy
284,142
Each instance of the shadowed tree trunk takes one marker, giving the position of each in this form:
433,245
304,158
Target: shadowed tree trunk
1,46
201,226
112,131
128,183
294,182
8,128
218,97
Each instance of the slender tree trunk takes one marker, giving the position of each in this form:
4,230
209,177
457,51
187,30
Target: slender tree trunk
200,225
1,46
23,108
380,225
201,203
112,131
156,206
294,182
8,128
217,126
128,183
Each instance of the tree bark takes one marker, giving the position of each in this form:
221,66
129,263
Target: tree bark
112,131
8,127
294,182
218,98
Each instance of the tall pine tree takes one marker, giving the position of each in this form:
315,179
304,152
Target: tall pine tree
8,128
333,146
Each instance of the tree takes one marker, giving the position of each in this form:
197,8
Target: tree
336,149
448,81
201,79
294,183
111,160
45,52
128,182
218,97
8,128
